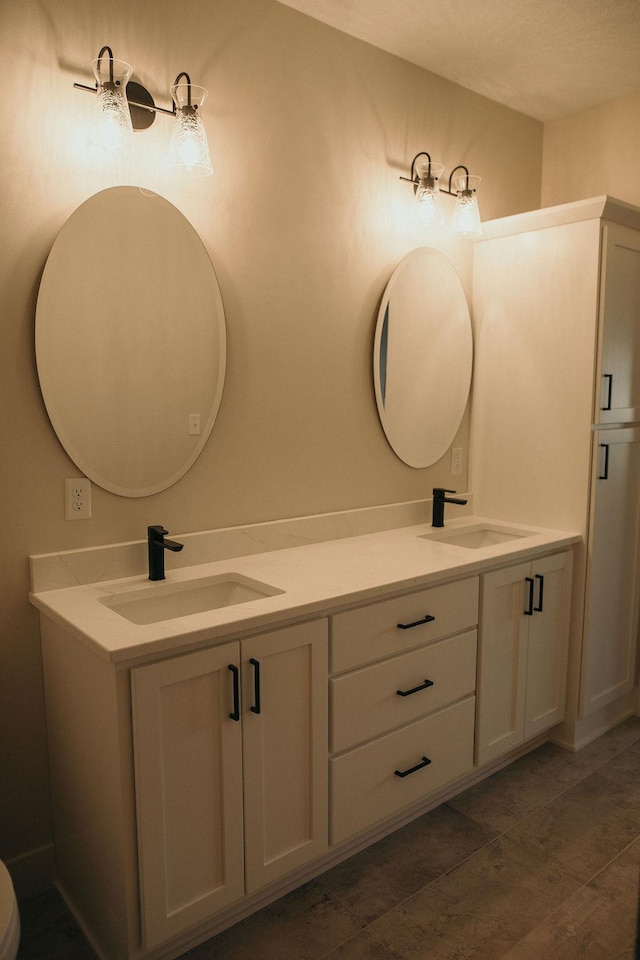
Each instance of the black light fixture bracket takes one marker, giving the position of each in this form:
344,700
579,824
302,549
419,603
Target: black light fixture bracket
138,97
414,178
454,193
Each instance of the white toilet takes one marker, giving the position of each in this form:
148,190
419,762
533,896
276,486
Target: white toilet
9,917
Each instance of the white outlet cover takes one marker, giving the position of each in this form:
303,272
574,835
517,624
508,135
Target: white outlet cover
77,498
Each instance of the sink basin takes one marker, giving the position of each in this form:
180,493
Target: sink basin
478,535
166,601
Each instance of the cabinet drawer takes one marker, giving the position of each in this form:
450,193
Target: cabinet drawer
365,787
366,703
372,632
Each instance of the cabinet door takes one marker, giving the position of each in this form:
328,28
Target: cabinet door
618,393
502,661
611,621
547,647
188,775
285,730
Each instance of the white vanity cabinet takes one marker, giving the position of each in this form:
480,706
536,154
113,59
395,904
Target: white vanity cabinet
403,715
523,643
556,385
197,776
230,747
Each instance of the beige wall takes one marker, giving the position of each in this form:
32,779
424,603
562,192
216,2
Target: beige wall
593,152
305,219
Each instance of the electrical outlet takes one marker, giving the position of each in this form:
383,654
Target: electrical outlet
194,424
456,461
77,499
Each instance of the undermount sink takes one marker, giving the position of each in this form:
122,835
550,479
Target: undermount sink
166,601
478,535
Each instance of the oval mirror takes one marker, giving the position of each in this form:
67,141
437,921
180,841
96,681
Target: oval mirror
422,357
130,341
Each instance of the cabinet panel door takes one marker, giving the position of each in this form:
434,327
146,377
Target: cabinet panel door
371,632
502,661
188,773
612,584
618,392
426,754
368,702
285,750
548,644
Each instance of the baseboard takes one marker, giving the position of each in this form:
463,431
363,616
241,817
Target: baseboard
33,871
575,734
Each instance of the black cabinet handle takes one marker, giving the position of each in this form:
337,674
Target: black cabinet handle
235,714
256,685
416,623
529,612
423,686
419,766
540,580
609,377
605,473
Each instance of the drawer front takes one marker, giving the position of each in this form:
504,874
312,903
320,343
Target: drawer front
369,701
365,787
372,632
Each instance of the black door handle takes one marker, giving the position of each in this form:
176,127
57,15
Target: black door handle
235,713
529,612
256,685
540,580
605,473
423,686
416,623
609,377
419,766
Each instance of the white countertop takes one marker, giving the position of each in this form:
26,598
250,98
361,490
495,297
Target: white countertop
315,578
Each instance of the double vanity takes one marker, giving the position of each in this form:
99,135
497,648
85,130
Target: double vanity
290,693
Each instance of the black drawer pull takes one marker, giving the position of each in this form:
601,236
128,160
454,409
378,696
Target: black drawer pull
256,685
540,579
423,686
419,766
235,714
605,472
529,612
609,377
416,623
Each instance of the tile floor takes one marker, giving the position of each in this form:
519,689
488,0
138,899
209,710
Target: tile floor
541,860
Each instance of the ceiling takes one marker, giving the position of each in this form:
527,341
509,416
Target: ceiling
544,58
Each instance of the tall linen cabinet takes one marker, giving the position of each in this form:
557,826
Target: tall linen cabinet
556,421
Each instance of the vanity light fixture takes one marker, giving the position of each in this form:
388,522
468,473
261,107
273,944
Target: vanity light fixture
124,106
189,147
113,130
424,177
466,215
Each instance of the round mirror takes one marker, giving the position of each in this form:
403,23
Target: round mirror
422,357
130,341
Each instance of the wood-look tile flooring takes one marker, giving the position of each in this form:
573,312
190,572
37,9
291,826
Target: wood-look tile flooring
541,861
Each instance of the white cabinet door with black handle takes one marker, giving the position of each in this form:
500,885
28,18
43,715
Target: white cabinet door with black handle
522,653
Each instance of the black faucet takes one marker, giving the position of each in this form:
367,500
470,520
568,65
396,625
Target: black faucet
157,546
439,501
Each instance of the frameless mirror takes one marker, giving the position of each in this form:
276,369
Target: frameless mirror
130,341
422,357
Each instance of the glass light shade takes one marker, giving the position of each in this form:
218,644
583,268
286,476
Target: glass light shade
113,131
466,220
189,147
428,193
